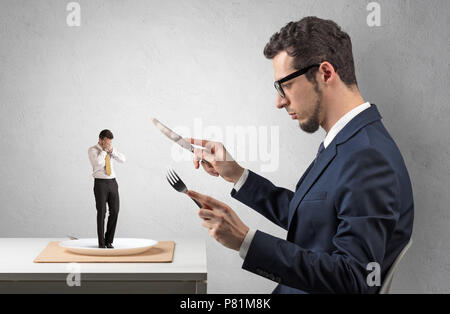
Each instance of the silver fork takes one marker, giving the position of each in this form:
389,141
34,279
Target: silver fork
177,184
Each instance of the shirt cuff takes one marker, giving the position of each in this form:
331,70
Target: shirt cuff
241,180
246,243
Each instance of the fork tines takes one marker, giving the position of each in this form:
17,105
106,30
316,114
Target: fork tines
175,180
177,184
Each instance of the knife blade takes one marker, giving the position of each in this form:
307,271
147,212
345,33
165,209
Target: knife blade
175,137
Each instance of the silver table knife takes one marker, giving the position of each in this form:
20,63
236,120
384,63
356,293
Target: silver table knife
175,137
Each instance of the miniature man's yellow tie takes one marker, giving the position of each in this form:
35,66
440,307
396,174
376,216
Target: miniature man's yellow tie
108,165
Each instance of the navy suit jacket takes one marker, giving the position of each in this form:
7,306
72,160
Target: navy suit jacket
353,207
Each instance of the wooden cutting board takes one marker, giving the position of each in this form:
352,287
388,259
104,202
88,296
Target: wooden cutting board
160,253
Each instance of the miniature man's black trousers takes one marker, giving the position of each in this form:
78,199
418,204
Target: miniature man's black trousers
106,191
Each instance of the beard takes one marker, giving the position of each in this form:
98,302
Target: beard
312,124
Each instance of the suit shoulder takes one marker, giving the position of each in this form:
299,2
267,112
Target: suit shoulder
373,137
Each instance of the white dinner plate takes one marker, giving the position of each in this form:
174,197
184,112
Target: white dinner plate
122,246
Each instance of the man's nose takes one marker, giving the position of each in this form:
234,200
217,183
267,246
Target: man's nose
281,102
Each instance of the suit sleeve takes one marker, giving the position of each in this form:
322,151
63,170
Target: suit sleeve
366,209
261,195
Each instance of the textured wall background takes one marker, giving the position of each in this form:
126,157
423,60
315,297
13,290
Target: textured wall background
185,60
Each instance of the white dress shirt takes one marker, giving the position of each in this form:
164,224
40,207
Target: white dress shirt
97,158
337,127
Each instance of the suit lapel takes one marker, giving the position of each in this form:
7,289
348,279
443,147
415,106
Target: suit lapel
313,172
324,159
303,176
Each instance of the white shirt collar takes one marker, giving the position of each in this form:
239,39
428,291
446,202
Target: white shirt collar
342,122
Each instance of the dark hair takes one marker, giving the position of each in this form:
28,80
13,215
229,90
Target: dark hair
106,133
314,40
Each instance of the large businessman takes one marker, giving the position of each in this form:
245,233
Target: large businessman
352,206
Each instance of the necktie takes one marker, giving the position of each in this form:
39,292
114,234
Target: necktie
321,149
108,165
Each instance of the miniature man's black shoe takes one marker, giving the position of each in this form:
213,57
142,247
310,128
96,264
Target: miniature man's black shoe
109,246
101,246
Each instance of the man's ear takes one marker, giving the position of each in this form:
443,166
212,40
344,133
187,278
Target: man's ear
328,72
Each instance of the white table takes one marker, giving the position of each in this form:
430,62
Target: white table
18,274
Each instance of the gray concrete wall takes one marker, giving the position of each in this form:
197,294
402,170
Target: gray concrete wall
199,64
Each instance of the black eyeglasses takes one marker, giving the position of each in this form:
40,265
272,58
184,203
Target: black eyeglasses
278,83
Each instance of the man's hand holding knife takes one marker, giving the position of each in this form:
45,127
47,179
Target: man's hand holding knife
220,161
